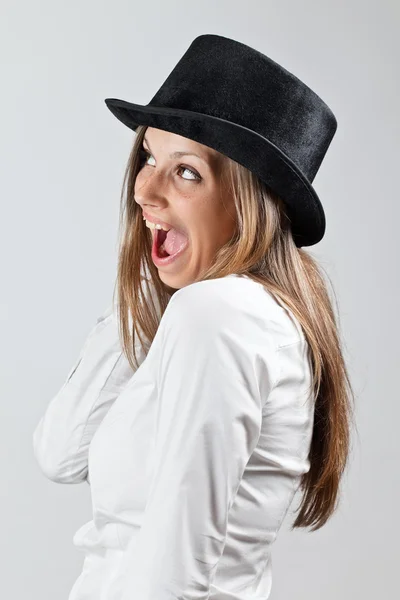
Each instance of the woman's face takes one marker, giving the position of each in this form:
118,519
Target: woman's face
185,192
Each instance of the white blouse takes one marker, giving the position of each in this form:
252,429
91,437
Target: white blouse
195,457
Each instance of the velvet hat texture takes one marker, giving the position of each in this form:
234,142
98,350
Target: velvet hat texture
229,96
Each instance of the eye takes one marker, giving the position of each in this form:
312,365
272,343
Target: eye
196,176
144,155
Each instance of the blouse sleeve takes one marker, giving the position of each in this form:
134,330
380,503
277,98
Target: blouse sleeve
208,424
62,437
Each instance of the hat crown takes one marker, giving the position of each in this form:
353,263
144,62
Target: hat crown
229,80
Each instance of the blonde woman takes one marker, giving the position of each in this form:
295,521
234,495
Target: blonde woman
214,386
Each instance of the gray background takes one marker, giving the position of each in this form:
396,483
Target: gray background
62,158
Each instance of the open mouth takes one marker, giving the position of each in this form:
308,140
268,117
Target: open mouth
168,245
161,236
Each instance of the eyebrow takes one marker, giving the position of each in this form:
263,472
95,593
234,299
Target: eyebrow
178,154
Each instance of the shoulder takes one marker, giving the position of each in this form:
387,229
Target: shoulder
213,302
232,304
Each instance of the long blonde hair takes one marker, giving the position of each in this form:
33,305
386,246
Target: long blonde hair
263,249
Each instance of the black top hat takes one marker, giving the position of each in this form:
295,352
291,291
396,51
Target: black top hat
234,99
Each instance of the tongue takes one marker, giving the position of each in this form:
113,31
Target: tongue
174,241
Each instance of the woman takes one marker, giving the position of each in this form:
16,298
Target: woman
214,387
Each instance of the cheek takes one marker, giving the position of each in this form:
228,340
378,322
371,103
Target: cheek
223,225
208,226
209,236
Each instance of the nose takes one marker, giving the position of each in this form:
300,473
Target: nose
149,188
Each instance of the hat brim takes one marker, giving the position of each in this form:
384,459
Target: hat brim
248,148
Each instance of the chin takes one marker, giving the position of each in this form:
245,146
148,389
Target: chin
172,282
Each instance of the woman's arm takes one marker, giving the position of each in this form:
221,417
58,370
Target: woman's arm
208,424
62,437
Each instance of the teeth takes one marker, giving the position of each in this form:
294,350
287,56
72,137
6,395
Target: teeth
154,225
